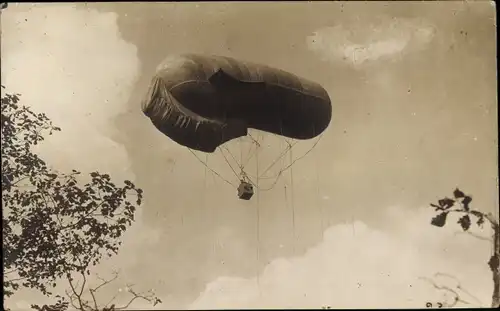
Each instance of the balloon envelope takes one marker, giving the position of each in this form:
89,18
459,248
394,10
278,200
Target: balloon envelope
203,101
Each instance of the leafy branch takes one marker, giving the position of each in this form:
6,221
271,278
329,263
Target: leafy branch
84,298
54,225
461,204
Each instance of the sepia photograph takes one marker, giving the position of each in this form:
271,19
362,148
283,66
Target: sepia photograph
249,155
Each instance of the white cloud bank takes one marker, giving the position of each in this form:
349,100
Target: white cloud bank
357,44
356,266
74,66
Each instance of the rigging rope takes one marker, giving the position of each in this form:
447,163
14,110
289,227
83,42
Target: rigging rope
302,156
230,153
241,165
285,168
241,151
214,172
318,202
281,156
260,176
258,226
225,158
256,144
214,248
292,203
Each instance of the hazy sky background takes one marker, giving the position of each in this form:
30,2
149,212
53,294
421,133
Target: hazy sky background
414,116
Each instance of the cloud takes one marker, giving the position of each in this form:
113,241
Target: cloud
356,266
74,66
357,45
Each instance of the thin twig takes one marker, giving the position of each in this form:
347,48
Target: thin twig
91,291
105,282
11,271
79,298
148,298
71,298
110,301
459,285
492,220
456,299
84,281
477,236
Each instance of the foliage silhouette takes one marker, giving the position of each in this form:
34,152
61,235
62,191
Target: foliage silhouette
461,204
85,298
454,293
54,225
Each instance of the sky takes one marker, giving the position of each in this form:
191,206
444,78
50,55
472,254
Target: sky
414,116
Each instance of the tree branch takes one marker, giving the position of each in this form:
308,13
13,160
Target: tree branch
459,285
477,236
10,271
78,297
456,298
84,281
44,193
91,291
47,211
493,221
13,184
148,298
105,282
110,301
18,279
71,298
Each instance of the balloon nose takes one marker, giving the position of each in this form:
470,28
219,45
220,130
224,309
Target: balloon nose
152,93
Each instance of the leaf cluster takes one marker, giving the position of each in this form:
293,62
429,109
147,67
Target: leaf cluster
53,223
459,203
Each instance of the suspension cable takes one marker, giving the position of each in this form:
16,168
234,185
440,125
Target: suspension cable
284,169
318,202
258,226
292,203
214,172
225,158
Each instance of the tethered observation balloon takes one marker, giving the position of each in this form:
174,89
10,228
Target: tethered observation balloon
201,102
